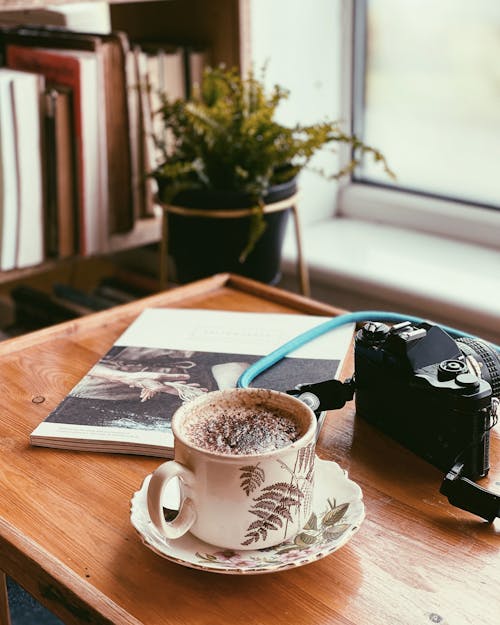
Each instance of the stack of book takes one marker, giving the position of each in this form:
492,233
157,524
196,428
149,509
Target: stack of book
78,135
29,308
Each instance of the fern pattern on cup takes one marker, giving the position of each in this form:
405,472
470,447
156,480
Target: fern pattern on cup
252,476
275,503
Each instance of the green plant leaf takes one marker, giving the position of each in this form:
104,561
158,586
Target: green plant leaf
226,137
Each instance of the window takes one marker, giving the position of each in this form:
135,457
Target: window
426,92
430,98
423,86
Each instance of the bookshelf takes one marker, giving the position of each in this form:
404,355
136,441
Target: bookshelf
219,26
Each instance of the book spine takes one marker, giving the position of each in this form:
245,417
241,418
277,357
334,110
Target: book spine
127,286
9,189
121,201
196,60
146,143
35,308
60,160
27,93
133,104
51,229
67,194
92,302
64,71
113,294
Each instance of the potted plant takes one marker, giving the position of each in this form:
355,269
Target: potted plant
225,152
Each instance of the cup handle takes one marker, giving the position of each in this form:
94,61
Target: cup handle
156,487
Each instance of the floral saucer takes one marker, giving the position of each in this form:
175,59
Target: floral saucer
338,511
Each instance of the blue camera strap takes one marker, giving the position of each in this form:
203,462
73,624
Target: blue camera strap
461,492
278,354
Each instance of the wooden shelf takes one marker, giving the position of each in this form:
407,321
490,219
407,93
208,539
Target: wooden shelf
8,5
213,24
218,25
145,231
18,274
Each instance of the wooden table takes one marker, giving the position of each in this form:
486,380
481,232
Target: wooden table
65,533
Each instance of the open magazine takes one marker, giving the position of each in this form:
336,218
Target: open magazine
124,404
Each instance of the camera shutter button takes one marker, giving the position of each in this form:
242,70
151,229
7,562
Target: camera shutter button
375,331
467,379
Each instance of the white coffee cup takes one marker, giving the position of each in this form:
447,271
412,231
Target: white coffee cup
233,500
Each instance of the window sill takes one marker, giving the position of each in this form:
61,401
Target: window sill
447,218
360,265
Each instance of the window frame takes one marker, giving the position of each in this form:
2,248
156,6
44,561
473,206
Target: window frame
456,219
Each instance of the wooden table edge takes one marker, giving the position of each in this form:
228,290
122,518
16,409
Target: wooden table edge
82,602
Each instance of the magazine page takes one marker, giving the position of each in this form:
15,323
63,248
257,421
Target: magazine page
124,404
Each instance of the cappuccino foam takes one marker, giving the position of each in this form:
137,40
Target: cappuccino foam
243,430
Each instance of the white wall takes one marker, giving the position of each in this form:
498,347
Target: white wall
301,43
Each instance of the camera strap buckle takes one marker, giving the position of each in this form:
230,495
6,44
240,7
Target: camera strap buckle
494,412
465,494
327,395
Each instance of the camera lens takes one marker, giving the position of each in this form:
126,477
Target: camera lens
484,360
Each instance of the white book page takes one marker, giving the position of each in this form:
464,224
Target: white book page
224,331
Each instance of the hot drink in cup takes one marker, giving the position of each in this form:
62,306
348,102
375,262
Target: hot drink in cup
245,462
242,431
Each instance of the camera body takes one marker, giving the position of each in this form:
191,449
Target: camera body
429,392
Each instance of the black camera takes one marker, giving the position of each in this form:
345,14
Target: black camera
435,395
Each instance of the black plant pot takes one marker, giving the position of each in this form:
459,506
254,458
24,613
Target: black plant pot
202,246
